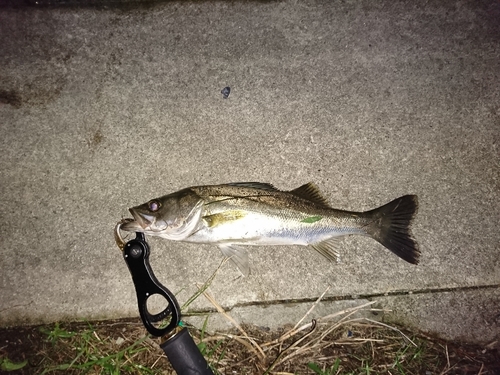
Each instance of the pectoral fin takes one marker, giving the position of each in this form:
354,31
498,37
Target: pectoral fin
328,249
238,255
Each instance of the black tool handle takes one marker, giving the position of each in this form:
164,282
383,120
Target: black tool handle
184,355
136,254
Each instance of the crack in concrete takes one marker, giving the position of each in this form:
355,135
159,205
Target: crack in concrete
350,297
370,296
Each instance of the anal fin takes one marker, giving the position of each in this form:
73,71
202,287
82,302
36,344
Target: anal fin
328,249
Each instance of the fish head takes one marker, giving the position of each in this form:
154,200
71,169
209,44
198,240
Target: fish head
175,216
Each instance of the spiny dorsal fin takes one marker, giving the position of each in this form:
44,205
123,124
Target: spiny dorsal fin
311,192
254,185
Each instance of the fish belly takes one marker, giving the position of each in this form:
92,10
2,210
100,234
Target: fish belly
261,230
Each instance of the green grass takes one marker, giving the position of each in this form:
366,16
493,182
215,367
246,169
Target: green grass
7,365
333,370
91,353
208,350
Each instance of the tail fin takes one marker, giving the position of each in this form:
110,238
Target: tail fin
390,225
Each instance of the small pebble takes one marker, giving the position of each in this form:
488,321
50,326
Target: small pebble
225,92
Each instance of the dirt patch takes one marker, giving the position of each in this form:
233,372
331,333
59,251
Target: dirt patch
352,348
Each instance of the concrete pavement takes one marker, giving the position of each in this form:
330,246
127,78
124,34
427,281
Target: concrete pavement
103,108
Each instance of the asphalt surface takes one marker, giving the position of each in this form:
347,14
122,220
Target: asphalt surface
105,107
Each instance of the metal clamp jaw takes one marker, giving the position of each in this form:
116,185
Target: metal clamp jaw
136,255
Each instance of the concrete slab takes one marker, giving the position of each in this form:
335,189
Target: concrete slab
104,108
466,315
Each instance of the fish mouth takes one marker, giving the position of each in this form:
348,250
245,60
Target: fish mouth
140,223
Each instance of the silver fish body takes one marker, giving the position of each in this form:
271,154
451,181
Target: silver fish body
234,216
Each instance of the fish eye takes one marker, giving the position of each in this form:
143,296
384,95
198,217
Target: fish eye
154,206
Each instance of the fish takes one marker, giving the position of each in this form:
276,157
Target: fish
237,215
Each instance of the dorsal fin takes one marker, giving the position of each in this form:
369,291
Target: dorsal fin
311,192
254,185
